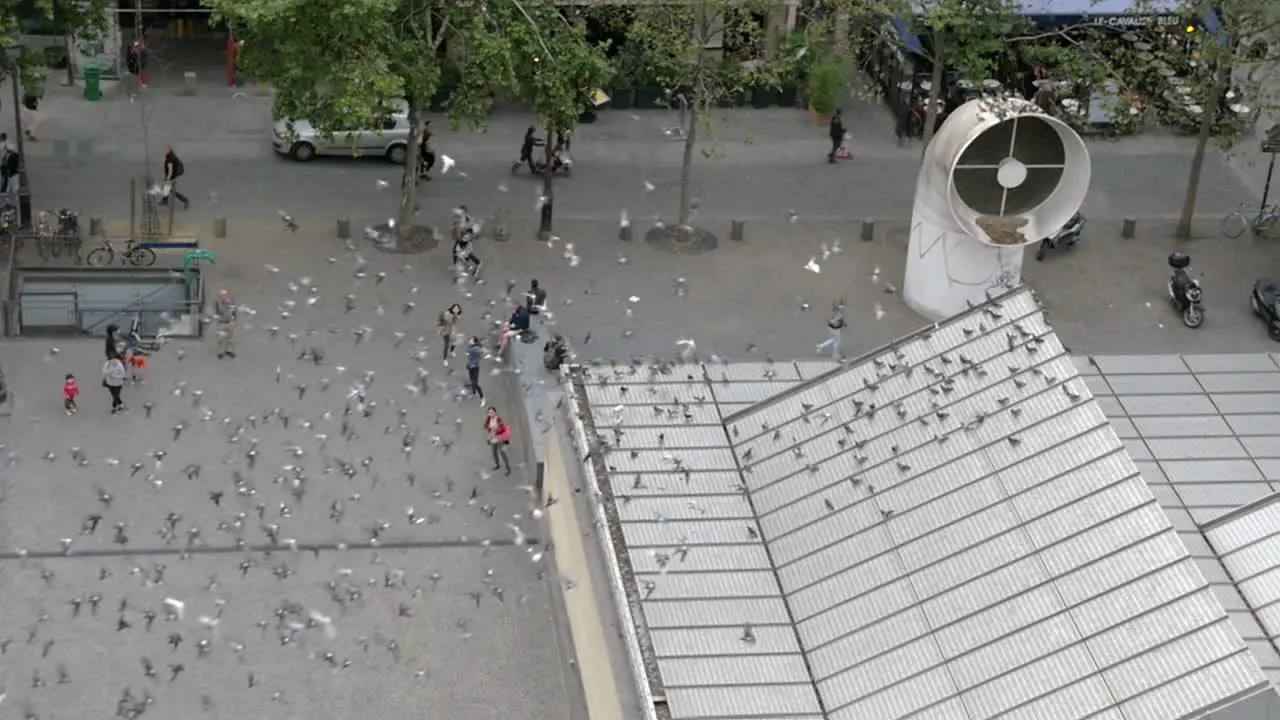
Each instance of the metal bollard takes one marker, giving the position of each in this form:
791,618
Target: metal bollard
344,228
189,82
868,230
220,228
95,227
624,232
737,230
1129,228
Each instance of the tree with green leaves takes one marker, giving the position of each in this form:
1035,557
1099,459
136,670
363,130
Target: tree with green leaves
1208,82
704,53
544,58
340,65
962,41
86,20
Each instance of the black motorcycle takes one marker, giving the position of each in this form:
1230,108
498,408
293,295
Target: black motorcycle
1266,305
1185,292
1065,239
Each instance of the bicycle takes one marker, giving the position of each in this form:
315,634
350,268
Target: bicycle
46,244
1259,220
133,254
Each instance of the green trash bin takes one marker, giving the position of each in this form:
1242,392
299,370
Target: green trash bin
92,82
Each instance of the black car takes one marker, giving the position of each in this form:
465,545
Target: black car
1266,305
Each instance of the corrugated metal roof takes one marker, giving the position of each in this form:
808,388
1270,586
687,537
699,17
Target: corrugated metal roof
1205,432
954,520
949,529
714,616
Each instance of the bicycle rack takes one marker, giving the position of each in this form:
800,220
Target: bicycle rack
150,213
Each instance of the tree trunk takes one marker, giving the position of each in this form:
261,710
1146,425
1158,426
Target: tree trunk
1210,116
935,89
548,189
409,186
686,164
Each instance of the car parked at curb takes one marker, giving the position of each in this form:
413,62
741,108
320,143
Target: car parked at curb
302,141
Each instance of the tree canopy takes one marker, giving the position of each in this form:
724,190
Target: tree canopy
342,64
86,19
704,53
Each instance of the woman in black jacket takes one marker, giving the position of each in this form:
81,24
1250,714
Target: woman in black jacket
113,342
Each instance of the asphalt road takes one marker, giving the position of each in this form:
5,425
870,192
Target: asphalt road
754,165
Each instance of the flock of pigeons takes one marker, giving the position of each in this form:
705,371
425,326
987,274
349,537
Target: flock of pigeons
328,507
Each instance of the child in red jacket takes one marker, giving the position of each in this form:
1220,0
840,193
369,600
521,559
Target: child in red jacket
70,391
499,438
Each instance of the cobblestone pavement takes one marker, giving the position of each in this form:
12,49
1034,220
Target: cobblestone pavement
390,583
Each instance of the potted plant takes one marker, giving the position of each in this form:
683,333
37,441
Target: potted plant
648,96
798,51
763,96
622,95
826,81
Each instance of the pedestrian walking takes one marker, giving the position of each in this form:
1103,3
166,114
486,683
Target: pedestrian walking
837,135
70,391
835,334
426,155
113,375
530,142
114,347
31,115
475,353
447,325
6,172
224,316
499,438
537,298
173,170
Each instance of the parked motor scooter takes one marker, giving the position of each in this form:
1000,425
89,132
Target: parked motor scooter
1185,292
1065,239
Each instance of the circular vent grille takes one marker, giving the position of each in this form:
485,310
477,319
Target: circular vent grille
1011,168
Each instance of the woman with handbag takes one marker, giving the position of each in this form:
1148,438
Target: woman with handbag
499,438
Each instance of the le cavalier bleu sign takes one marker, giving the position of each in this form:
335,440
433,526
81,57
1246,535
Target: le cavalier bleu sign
1137,21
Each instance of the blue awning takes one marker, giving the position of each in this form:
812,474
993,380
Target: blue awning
910,42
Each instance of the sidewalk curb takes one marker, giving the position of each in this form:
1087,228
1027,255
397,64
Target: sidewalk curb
600,525
586,627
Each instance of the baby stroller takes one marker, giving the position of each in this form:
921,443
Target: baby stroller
137,348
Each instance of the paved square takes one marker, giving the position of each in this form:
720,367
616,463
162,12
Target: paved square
274,499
